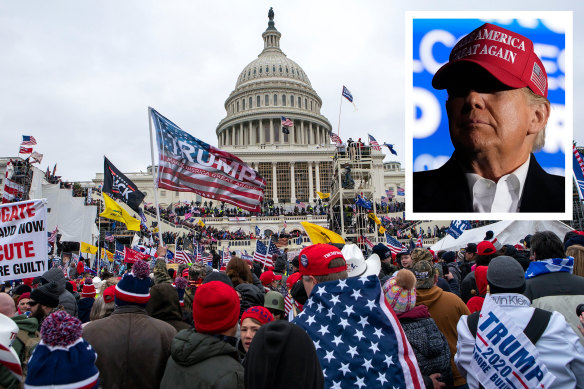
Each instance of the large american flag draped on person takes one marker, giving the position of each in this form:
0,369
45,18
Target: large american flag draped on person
187,164
357,336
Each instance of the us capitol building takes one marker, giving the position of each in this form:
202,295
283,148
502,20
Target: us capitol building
295,165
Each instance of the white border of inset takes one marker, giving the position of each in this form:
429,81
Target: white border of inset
566,18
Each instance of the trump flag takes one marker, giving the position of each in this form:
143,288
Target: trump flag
187,164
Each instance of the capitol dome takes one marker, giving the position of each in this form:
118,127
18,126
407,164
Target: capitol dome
271,87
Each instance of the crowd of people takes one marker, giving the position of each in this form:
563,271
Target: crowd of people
313,321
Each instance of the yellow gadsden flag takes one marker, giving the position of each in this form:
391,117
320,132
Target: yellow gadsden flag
382,230
323,195
115,212
201,223
374,217
318,234
110,256
87,248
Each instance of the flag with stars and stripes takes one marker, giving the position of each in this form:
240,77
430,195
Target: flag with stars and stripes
420,242
182,257
226,256
273,253
336,139
394,245
373,143
260,253
358,338
28,140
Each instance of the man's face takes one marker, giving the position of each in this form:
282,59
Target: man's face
486,116
406,261
37,311
23,305
468,256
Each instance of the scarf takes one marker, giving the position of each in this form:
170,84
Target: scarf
552,265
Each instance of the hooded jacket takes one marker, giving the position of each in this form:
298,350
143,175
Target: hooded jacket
476,302
202,361
164,305
446,309
429,344
66,299
84,308
251,296
275,348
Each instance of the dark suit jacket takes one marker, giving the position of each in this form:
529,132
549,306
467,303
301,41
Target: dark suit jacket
446,190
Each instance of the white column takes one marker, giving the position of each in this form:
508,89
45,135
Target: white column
310,186
251,138
240,137
292,184
261,130
271,132
232,130
310,134
301,137
274,183
317,171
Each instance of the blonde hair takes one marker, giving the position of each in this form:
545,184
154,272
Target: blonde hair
101,309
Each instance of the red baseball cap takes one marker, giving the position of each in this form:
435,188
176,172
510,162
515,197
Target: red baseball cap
485,248
292,279
268,277
314,260
507,56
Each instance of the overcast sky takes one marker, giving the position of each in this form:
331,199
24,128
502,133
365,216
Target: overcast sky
79,76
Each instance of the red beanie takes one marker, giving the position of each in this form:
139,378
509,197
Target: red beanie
258,313
88,291
109,294
72,282
215,308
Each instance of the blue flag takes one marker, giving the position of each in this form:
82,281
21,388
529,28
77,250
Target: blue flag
578,165
357,336
457,227
363,203
347,94
390,147
119,253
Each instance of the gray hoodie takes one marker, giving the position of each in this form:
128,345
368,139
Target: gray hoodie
66,299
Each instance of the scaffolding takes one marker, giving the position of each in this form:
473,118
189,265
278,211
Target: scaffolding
21,178
352,177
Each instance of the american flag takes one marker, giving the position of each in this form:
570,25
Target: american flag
389,193
258,232
199,255
287,304
53,235
287,122
347,94
273,252
394,245
539,78
401,191
300,204
260,253
25,150
119,253
28,140
419,242
368,242
182,256
336,139
205,170
109,237
358,339
373,143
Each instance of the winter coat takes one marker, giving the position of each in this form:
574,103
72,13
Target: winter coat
164,305
455,271
446,309
250,296
66,299
468,287
84,308
132,348
387,269
202,361
429,344
560,292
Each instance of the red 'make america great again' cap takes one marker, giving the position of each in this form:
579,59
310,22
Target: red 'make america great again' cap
314,260
507,56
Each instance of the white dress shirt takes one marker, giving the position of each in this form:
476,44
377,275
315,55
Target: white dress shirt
501,196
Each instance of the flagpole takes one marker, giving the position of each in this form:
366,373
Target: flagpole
339,123
161,243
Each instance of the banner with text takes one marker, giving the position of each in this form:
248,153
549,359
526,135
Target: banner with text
23,239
